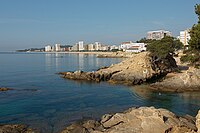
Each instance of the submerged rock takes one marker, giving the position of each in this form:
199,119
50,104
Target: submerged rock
135,70
5,89
15,129
137,120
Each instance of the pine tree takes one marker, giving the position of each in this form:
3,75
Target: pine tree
193,54
195,32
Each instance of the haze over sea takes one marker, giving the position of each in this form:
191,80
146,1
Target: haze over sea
47,102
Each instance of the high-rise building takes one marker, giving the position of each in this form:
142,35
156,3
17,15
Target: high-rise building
57,47
75,47
91,47
48,48
104,48
97,46
80,46
185,37
158,35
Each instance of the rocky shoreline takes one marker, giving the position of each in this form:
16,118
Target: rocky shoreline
16,128
133,120
142,68
139,120
116,55
135,70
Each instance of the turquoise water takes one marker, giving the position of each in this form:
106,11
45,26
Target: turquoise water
48,103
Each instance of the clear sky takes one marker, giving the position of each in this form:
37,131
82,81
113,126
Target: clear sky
35,23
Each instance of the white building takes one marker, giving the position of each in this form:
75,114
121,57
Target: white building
125,45
80,46
48,48
136,48
75,47
97,46
158,35
91,47
185,37
114,47
132,47
57,47
104,48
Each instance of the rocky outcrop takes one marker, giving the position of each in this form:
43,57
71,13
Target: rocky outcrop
15,129
116,55
137,120
135,70
188,80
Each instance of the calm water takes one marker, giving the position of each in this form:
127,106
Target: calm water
58,102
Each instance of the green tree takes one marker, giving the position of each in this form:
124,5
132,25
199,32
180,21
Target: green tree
146,41
164,47
195,32
197,11
193,54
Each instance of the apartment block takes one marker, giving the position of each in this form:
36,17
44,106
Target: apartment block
158,35
48,48
185,37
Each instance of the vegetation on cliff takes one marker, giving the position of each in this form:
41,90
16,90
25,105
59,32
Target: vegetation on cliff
193,53
165,47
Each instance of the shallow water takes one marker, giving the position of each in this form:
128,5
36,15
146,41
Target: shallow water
47,102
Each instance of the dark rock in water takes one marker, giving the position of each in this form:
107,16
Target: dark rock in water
83,127
135,70
15,129
5,89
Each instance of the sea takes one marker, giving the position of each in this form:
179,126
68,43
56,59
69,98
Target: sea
44,101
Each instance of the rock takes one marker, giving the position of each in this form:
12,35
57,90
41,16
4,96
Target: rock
116,55
135,70
187,123
5,89
75,128
139,120
188,80
198,121
180,129
105,118
15,129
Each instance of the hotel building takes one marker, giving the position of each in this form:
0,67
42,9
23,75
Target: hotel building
185,37
158,35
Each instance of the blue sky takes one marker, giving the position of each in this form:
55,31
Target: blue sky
35,23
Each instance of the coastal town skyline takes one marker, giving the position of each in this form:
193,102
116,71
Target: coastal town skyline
34,24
